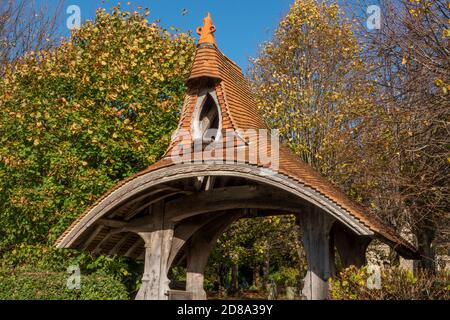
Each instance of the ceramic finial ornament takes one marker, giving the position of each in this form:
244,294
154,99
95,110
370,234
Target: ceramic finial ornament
206,32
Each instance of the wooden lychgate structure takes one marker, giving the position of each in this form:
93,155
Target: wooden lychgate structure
223,165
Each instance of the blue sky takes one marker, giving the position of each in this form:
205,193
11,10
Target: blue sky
242,25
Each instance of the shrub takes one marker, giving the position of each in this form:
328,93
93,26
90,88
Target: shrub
54,261
285,276
41,285
396,284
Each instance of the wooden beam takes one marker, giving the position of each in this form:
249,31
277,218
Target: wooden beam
201,245
210,183
130,251
243,197
112,223
270,213
135,212
135,187
198,183
351,247
185,230
105,239
155,283
144,224
142,255
93,235
119,244
316,226
135,201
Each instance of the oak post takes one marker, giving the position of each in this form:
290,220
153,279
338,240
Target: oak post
316,226
158,241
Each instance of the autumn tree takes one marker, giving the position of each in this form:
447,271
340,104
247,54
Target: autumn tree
410,67
311,84
368,108
76,120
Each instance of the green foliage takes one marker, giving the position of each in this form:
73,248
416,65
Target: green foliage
286,276
76,120
253,243
52,260
39,285
247,240
396,284
178,273
73,122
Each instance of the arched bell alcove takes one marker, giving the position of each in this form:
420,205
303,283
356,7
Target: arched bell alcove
207,118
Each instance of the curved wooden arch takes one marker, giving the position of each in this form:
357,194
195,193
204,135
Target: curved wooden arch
163,176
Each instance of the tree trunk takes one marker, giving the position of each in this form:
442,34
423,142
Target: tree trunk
266,268
223,271
256,277
234,278
425,239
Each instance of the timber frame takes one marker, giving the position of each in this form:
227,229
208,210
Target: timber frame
172,213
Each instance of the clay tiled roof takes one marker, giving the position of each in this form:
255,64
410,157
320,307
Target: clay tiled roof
239,106
240,112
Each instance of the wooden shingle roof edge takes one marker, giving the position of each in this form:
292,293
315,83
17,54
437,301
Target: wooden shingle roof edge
386,234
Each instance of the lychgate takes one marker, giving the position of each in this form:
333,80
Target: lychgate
223,165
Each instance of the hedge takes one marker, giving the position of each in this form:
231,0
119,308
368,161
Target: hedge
25,285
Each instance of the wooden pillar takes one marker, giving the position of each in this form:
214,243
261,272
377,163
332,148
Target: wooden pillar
184,231
351,247
200,247
316,226
158,242
197,259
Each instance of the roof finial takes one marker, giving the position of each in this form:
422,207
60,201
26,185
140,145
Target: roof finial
206,32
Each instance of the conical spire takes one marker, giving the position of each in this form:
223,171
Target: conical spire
206,32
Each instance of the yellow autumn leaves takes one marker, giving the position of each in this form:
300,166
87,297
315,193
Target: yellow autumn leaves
78,118
311,83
